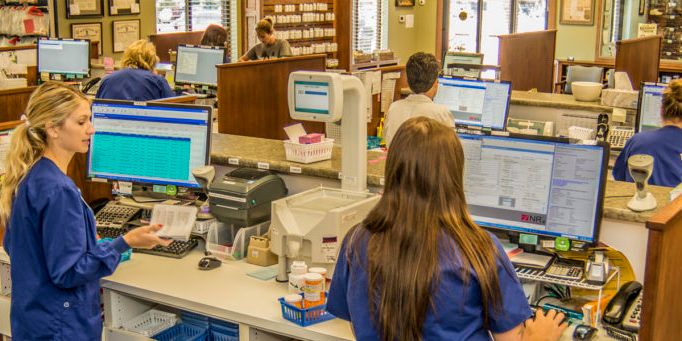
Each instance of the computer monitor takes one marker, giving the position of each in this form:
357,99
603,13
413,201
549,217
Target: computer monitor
475,102
149,143
535,185
196,65
68,57
649,106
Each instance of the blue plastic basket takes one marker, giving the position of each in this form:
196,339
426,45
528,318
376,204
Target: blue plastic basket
216,335
305,316
195,319
183,332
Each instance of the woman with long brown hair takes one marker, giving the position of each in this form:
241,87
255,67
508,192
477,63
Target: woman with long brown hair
418,267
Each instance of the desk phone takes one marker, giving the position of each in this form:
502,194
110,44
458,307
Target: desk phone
618,136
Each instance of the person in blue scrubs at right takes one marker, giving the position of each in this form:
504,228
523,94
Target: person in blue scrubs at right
56,262
418,267
137,81
664,144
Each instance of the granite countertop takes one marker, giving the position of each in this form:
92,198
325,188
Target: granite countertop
264,153
542,99
545,99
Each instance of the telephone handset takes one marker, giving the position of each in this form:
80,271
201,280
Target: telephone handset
620,304
91,83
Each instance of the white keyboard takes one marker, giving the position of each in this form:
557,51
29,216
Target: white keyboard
619,136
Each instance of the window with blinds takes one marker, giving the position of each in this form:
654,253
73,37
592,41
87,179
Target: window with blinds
370,25
196,15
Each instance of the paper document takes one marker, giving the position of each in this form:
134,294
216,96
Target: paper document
388,89
177,221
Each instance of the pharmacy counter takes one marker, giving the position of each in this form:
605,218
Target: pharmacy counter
234,150
225,293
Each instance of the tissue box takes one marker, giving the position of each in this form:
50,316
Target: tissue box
620,98
13,83
310,138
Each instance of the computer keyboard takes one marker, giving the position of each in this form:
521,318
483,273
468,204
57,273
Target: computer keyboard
177,249
111,232
619,136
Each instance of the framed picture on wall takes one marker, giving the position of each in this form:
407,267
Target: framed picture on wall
84,8
404,3
577,12
91,31
124,33
124,7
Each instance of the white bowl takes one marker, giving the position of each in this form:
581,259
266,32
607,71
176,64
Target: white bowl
586,91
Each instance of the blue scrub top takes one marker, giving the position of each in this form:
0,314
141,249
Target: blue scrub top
665,145
458,313
56,262
134,85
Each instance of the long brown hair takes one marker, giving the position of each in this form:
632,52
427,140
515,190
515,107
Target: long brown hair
672,101
423,202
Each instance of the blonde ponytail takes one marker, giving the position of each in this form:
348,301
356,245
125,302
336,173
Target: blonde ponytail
49,105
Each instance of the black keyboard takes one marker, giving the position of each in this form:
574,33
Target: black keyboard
177,249
111,232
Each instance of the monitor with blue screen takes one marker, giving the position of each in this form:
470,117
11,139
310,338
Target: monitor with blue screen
535,185
649,106
196,65
311,97
68,57
475,102
149,143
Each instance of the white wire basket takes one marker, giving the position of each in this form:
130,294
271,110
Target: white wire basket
307,153
151,322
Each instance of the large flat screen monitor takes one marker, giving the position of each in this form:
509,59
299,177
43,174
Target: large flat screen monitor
543,186
475,102
149,143
67,57
649,106
196,65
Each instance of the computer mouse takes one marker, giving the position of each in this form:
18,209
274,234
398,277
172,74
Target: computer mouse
583,332
209,263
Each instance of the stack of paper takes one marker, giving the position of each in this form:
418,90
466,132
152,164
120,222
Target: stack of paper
177,221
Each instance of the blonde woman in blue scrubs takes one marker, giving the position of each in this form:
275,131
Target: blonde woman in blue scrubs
56,262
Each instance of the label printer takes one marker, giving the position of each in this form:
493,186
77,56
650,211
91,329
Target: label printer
243,196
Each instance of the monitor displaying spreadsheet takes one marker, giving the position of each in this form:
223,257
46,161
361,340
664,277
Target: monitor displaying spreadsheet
149,143
649,106
197,65
67,57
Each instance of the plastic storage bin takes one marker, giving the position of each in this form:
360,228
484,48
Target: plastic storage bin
183,332
307,153
229,242
305,316
151,322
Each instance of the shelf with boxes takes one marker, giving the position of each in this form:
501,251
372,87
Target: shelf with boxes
308,25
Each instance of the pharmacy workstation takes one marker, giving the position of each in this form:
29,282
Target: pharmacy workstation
340,170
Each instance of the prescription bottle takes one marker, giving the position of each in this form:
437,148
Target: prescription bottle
294,299
313,292
296,281
323,273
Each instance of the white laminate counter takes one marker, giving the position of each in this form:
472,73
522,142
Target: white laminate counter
226,293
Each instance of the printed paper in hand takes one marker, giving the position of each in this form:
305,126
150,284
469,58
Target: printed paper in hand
177,221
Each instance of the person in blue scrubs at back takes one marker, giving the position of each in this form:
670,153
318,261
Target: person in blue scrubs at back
664,144
137,81
56,262
418,267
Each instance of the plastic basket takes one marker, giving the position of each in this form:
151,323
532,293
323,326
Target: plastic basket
220,332
305,316
151,322
223,242
183,332
194,319
307,153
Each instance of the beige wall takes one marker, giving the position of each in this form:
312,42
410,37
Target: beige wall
147,23
422,37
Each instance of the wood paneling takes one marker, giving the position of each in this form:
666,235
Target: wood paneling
169,41
13,102
252,96
90,190
662,300
527,60
639,58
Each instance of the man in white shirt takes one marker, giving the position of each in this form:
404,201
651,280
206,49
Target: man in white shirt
422,76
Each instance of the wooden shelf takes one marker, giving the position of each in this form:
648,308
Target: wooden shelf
310,40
